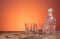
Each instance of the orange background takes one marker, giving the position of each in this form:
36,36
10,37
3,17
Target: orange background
14,13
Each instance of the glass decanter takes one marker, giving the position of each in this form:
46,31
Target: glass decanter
50,25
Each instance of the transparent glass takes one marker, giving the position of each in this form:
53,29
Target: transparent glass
46,28
31,28
50,25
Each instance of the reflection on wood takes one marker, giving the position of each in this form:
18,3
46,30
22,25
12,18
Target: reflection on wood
19,35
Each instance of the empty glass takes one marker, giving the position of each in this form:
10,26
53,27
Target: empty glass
31,28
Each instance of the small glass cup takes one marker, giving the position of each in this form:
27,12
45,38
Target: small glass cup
31,28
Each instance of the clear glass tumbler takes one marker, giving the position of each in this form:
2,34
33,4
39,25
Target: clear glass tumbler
31,28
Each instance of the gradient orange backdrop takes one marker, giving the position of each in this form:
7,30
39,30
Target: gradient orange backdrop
14,13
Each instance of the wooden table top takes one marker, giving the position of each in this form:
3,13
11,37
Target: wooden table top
18,35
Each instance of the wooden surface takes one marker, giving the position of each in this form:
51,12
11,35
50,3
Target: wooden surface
18,35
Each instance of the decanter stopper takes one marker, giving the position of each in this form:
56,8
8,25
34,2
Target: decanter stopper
50,10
